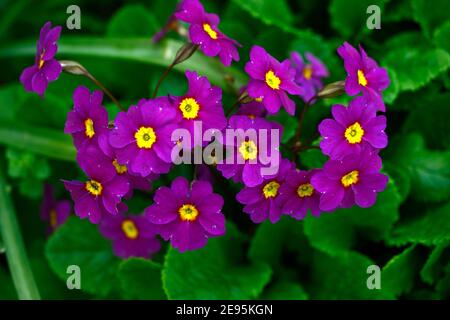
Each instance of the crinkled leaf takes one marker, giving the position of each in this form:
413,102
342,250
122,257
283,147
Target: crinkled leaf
428,64
439,256
141,279
284,290
430,15
428,170
431,228
78,242
441,36
337,232
217,271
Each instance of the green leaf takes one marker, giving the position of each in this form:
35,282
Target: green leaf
442,35
428,64
430,16
78,242
392,91
141,279
428,170
217,271
337,232
138,50
46,142
433,267
284,290
399,274
132,20
431,228
343,276
312,158
397,11
431,120
272,241
349,17
271,13
289,125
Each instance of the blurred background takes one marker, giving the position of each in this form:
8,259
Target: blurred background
406,234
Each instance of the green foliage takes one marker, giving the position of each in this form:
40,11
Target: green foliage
141,279
78,242
215,271
406,233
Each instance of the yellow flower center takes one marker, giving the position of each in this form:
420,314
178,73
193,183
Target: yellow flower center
272,80
129,229
207,28
307,72
189,107
305,190
270,190
120,168
251,116
89,128
248,150
260,99
145,137
362,78
188,212
354,133
94,187
41,60
53,218
350,178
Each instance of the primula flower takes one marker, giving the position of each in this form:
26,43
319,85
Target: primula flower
132,236
253,109
142,137
270,80
88,119
246,165
297,194
101,194
308,75
204,31
354,179
45,68
53,211
352,128
187,215
136,181
263,202
364,75
202,102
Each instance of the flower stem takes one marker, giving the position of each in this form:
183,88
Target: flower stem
164,75
297,145
15,250
108,93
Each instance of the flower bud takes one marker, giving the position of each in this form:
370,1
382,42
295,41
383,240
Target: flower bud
332,90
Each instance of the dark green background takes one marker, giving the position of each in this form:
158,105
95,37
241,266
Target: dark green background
407,232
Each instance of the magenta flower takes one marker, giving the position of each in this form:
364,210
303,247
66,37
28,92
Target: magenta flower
202,102
101,194
270,80
263,202
354,179
297,194
352,128
53,211
132,236
45,68
204,31
308,75
136,181
88,119
245,163
363,75
142,137
187,215
253,109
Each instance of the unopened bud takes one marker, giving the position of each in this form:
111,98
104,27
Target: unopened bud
185,53
73,67
332,90
244,98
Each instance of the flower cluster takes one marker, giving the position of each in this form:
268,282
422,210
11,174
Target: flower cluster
134,149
